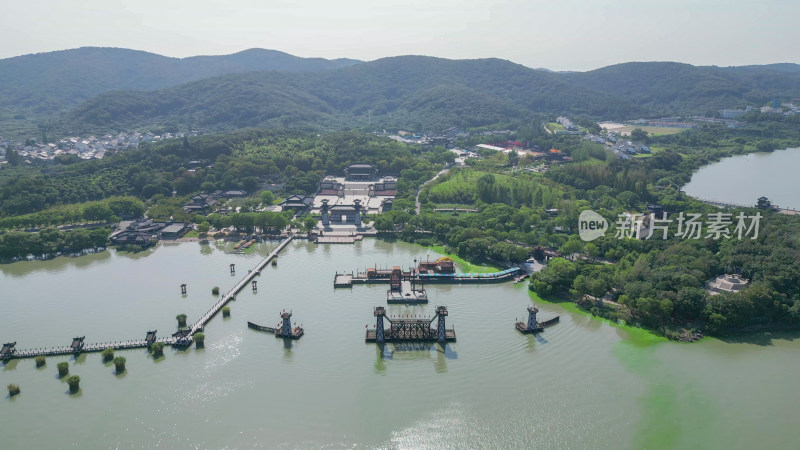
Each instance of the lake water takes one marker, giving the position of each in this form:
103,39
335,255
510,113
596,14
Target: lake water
743,179
580,384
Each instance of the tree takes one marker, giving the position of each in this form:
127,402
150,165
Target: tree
63,368
203,227
309,223
638,134
181,320
158,349
108,354
556,277
199,340
74,383
119,364
267,198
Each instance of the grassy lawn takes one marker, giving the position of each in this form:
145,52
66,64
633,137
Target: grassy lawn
643,155
553,126
460,187
652,131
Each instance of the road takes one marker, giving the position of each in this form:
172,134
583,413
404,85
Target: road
441,172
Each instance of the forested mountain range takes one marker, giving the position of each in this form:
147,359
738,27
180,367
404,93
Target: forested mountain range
100,89
408,91
674,88
49,82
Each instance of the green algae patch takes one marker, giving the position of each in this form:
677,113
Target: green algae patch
634,335
465,266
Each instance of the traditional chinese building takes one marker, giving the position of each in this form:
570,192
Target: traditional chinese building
360,172
296,203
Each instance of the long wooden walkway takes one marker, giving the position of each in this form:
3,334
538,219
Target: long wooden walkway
141,343
121,345
238,287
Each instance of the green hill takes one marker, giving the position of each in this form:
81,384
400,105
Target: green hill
674,88
412,91
45,83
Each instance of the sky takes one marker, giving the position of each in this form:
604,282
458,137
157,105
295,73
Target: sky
554,34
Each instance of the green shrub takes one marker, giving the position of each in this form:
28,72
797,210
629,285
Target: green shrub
108,354
40,360
199,340
13,389
63,368
74,383
158,349
226,311
119,363
215,290
181,320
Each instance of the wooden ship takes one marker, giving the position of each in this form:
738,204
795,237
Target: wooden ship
283,329
533,325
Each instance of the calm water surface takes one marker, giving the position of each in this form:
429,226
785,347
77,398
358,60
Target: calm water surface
580,384
744,178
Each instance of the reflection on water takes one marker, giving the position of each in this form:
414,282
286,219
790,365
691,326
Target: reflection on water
58,264
486,390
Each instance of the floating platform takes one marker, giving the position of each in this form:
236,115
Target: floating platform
342,280
450,336
407,295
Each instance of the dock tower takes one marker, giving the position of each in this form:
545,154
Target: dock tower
379,312
441,332
533,325
286,327
532,322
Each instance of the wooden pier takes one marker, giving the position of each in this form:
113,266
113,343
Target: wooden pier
89,348
231,294
181,338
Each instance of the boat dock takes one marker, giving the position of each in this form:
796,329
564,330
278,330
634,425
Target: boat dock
181,338
403,288
334,238
407,294
377,276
